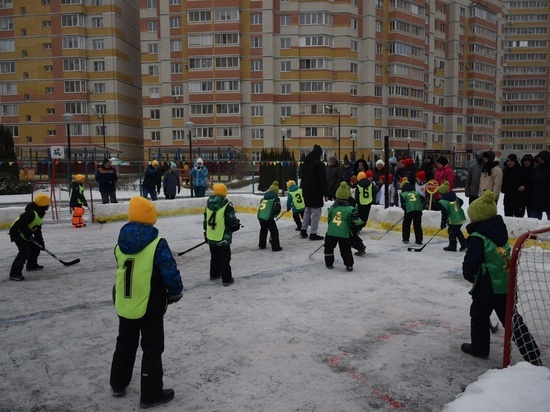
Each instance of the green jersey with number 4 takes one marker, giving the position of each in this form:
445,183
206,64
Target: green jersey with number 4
339,221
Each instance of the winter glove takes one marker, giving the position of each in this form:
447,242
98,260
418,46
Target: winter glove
443,226
174,298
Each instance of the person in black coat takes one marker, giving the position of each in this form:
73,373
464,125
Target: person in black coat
152,181
106,178
428,167
514,181
314,188
540,195
528,164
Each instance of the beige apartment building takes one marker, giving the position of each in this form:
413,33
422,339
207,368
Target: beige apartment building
70,72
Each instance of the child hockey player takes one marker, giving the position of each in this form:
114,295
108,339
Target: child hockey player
341,218
295,200
141,303
453,215
412,205
486,265
26,228
270,207
77,200
219,224
365,192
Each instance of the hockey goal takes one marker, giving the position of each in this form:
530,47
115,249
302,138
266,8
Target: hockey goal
528,306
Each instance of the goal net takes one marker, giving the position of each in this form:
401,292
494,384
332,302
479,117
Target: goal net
527,328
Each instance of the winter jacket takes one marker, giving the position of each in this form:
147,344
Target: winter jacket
153,179
76,193
231,223
335,176
356,166
444,174
512,179
106,179
166,280
407,171
529,172
493,229
471,188
428,168
314,180
20,227
347,172
491,176
540,195
171,182
200,176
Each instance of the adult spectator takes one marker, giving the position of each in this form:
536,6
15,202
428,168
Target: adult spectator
171,182
314,188
335,176
528,164
540,195
360,165
347,170
471,189
443,173
152,181
406,169
106,178
514,181
199,175
428,166
491,175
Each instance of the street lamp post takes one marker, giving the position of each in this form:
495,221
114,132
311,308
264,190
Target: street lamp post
353,138
453,154
409,146
101,116
335,109
191,126
68,117
283,137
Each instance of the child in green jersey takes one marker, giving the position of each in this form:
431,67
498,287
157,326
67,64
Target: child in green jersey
341,218
411,202
453,215
270,207
295,201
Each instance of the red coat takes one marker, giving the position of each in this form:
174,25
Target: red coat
445,173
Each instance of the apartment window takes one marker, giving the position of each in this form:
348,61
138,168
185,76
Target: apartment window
24,53
98,44
151,4
152,26
353,90
6,4
285,88
100,87
46,23
99,66
51,133
257,88
378,135
71,1
285,66
7,89
226,38
227,62
175,22
50,111
311,131
154,92
227,85
198,86
177,90
199,16
378,26
48,68
257,156
177,113
23,32
154,114
155,136
74,64
76,108
45,2
98,2
257,134
6,23
257,65
285,20
285,43
353,112
49,90
256,18
97,22
26,75
200,63
228,108
354,24
175,45
256,42
354,46
9,110
72,20
153,70
353,67
378,69
75,86
7,45
286,111
74,42
28,118
378,48
377,112
178,134
378,91
7,67
257,111
226,14
199,40
177,68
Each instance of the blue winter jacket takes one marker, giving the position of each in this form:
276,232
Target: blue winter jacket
200,176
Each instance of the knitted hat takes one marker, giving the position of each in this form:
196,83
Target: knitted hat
483,208
421,175
290,183
393,160
274,187
407,187
512,157
408,161
403,182
155,163
368,174
343,191
42,200
199,160
142,210
333,159
380,162
444,188
442,160
173,166
361,176
79,178
220,189
383,177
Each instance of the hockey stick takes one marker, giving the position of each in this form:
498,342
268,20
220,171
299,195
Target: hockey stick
494,328
94,216
190,249
387,231
281,215
316,250
72,262
412,249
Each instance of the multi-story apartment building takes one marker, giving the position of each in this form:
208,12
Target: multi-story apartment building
75,57
525,109
426,74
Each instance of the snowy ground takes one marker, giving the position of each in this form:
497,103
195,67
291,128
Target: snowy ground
289,335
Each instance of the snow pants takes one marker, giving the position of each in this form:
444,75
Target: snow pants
28,252
345,250
271,227
220,256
